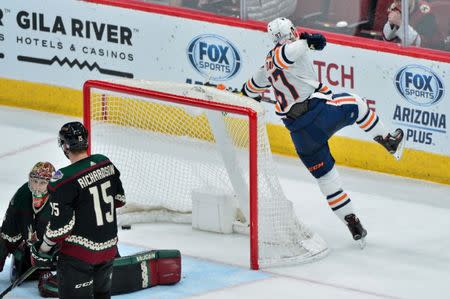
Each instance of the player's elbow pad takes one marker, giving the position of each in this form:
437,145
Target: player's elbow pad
244,92
119,200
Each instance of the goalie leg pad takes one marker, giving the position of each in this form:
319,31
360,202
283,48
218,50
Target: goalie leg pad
144,270
166,268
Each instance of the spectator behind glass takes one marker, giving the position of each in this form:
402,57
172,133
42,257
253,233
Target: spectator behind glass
261,10
267,10
422,29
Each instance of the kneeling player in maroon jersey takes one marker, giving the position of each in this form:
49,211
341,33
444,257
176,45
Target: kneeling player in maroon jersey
83,200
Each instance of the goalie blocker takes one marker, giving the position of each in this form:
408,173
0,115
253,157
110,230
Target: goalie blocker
145,269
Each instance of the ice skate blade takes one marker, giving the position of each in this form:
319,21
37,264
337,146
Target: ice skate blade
399,152
362,243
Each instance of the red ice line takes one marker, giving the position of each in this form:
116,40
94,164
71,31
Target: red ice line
24,149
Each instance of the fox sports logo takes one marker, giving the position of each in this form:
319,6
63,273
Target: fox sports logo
419,85
214,57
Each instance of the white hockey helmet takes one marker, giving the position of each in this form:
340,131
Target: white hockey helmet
281,30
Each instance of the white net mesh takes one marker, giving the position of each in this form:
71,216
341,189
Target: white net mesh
165,151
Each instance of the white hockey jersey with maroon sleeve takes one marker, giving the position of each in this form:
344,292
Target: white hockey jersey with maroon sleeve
289,71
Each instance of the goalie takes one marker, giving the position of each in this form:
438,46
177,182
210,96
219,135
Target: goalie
25,223
25,220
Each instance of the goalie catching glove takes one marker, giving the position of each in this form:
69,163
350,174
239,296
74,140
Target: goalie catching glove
315,41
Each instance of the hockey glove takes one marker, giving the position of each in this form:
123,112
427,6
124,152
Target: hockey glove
41,259
48,285
315,41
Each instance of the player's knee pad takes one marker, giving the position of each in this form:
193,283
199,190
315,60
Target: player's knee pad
330,182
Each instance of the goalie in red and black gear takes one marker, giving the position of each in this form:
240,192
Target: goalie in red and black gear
25,221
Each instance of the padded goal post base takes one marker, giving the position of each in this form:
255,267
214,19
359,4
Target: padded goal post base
213,211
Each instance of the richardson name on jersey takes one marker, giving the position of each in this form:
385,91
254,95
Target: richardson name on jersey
96,175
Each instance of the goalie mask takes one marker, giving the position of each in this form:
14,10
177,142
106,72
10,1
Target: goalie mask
73,136
38,179
282,30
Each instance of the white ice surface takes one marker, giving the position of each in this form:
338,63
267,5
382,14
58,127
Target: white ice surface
408,222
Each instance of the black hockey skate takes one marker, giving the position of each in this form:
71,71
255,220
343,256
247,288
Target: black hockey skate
393,143
356,229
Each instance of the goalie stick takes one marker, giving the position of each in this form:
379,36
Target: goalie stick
18,281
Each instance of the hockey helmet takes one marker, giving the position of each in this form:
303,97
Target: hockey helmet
73,136
38,178
281,30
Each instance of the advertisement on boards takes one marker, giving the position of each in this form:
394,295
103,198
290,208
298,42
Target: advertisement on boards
2,35
421,113
67,45
214,57
63,46
406,92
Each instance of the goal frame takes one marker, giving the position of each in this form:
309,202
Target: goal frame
245,111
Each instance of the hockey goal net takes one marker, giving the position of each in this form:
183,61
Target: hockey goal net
170,139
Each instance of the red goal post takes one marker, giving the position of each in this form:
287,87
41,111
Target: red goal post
88,85
106,108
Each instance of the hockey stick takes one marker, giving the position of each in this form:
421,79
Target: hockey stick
267,100
235,91
19,280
